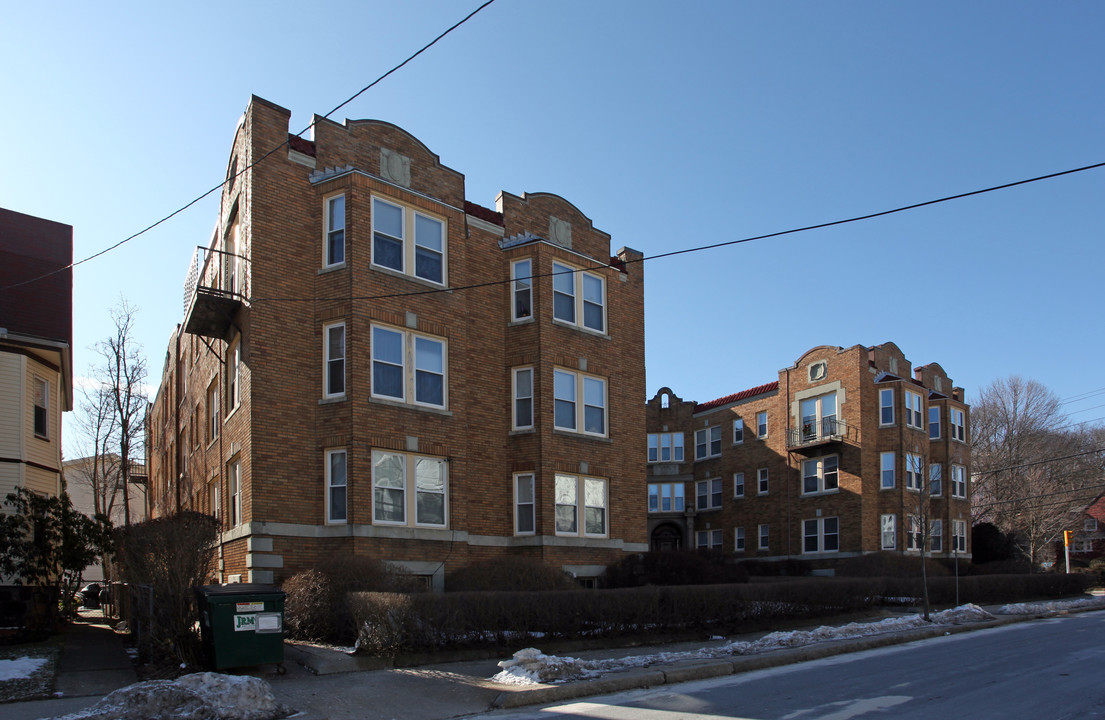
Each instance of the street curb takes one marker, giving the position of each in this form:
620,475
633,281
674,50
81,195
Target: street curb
642,679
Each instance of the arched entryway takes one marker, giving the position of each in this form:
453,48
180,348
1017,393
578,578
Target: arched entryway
666,537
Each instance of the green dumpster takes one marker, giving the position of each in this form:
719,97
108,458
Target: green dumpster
242,625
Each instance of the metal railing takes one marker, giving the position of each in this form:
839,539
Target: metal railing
815,431
217,271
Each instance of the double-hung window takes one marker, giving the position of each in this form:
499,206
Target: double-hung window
934,422
936,479
525,519
665,447
234,478
887,470
523,398
408,367
707,442
913,472
233,374
959,481
738,540
579,403
334,336
579,298
709,539
738,431
765,537
708,494
409,489
213,412
761,424
913,414
665,497
738,485
571,514
521,285
820,474
408,241
886,406
958,424
913,540
336,487
959,536
335,231
936,536
762,481
42,408
889,532
821,535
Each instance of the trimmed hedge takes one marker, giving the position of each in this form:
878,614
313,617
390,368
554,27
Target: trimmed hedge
392,623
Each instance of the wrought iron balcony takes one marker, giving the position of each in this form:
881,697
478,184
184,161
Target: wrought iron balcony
817,432
216,288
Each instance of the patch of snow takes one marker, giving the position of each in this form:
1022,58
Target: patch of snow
1044,608
20,668
531,666
200,696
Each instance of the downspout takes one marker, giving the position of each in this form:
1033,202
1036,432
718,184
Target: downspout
790,474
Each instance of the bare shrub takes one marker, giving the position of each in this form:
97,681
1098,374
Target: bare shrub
674,568
511,573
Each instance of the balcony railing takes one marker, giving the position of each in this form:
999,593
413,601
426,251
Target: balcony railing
817,432
216,288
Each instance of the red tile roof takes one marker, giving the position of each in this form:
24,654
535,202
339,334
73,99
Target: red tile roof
736,397
300,145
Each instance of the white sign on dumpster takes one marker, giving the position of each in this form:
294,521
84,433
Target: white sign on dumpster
245,623
258,622
249,607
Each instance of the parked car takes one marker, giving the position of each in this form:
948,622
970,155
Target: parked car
89,595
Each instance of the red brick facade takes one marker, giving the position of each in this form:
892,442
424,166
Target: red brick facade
813,485
378,346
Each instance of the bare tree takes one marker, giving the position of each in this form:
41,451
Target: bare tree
97,463
1031,472
123,376
920,516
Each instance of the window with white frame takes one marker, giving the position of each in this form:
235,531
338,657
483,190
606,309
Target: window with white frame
886,406
913,469
708,539
522,390
708,494
525,518
818,416
887,469
336,487
913,533
936,479
569,413
1089,525
42,408
409,489
665,447
334,338
957,421
579,298
913,414
889,531
738,485
959,481
666,497
572,514
232,280
234,479
936,536
761,424
521,284
934,422
707,442
334,253
821,535
761,481
738,540
959,536
213,412
765,537
820,474
1082,545
408,367
216,500
408,241
738,431
234,374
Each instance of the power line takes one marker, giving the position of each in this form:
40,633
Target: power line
264,157
1040,462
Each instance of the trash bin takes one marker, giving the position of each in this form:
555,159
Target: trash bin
242,625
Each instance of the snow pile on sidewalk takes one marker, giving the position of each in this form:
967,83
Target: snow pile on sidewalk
200,696
1045,608
531,666
20,668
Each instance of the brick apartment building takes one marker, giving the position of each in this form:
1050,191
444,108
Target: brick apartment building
36,337
370,364
844,454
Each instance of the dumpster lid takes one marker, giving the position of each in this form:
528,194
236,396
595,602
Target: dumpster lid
239,589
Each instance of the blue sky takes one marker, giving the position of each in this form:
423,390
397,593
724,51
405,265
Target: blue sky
671,125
